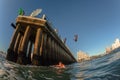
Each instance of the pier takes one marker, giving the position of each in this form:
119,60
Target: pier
35,42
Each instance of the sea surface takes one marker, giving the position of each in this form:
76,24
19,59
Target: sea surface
104,68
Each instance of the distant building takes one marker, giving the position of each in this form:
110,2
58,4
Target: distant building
108,50
82,56
114,46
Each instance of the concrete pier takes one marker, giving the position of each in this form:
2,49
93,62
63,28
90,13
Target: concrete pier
35,42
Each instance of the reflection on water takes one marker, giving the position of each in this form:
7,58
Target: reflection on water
105,68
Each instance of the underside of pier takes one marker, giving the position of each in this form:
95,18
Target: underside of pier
35,42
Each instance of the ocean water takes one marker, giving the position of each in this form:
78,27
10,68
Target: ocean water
105,68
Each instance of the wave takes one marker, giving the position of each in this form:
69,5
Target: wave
105,68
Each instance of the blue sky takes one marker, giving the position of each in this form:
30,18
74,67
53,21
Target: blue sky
97,22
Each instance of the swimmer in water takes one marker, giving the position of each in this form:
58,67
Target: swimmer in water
60,65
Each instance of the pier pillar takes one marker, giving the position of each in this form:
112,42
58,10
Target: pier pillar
54,57
36,56
52,51
23,47
29,52
60,53
17,45
49,50
44,53
20,43
41,46
17,42
11,55
55,53
58,48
